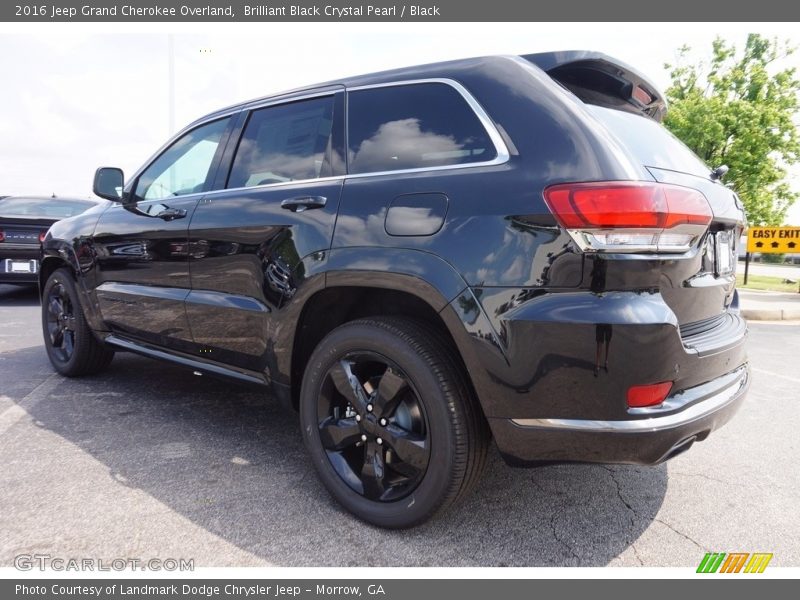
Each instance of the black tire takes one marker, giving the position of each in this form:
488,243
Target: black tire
71,346
434,415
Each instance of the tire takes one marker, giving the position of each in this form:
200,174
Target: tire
71,346
393,382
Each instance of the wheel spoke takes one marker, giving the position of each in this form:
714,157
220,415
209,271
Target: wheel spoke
373,471
69,342
338,434
391,389
54,307
411,448
349,386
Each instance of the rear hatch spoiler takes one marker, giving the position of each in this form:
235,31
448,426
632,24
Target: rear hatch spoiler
599,79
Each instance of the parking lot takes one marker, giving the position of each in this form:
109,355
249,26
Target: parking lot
150,461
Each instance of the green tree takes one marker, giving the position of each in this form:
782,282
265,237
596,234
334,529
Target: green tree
740,110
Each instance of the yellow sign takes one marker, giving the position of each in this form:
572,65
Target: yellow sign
773,240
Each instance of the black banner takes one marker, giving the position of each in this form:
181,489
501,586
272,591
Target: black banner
424,11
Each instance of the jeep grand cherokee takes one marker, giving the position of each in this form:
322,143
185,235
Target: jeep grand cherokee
421,259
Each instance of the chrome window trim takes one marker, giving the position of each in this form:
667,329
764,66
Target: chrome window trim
274,185
500,147
267,102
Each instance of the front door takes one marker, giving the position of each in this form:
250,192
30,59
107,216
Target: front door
142,251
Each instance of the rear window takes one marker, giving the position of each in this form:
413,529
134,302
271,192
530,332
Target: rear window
650,142
413,126
55,208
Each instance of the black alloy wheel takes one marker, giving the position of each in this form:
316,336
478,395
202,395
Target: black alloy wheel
60,322
392,425
373,427
71,345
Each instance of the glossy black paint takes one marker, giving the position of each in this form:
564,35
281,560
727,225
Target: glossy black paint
543,330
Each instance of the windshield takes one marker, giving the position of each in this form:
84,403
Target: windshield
55,208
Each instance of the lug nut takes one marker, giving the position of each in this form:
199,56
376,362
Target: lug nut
379,441
369,407
358,418
383,422
363,437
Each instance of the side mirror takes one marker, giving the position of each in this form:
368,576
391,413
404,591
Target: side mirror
108,183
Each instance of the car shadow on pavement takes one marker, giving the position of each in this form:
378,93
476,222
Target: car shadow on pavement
233,463
19,295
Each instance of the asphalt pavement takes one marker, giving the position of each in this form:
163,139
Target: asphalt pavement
149,461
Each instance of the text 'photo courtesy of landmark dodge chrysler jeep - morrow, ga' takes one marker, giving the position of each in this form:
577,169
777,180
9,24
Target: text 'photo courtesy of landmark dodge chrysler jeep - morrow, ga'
421,260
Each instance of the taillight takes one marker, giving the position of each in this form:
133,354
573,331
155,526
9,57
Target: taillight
42,235
648,395
630,216
2,236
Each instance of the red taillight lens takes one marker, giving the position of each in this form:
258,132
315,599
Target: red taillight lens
648,395
600,215
2,236
42,235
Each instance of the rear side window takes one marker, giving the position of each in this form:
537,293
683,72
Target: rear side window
287,142
413,126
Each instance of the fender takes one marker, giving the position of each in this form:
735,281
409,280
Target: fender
69,242
429,278
416,272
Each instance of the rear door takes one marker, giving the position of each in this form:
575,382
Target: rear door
273,214
142,247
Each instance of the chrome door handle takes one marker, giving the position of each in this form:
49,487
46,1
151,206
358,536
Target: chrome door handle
301,203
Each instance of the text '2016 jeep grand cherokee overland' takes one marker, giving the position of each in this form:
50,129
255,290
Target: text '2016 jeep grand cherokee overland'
420,259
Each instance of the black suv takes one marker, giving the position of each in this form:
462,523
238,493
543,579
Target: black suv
421,259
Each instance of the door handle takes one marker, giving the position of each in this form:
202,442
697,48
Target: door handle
301,203
170,214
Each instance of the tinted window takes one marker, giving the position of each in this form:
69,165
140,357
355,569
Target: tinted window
39,207
650,142
184,167
285,143
414,126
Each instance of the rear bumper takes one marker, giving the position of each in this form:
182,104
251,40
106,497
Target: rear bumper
19,252
552,371
653,436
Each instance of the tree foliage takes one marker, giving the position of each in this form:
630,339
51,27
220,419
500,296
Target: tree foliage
741,110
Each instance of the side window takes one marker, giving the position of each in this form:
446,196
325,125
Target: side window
285,142
182,168
413,126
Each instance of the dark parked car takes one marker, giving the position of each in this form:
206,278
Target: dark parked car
23,223
420,259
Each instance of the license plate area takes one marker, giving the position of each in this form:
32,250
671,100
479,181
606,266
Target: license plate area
724,259
30,266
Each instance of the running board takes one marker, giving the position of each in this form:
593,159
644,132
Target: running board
186,361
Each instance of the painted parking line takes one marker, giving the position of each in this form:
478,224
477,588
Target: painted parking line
13,414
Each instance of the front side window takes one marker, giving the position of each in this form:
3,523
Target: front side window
413,126
184,167
287,142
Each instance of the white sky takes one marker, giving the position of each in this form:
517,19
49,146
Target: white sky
77,96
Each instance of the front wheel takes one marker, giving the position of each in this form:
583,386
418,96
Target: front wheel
392,426
71,346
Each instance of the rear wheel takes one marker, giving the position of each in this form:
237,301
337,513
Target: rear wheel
393,428
71,346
